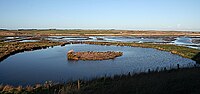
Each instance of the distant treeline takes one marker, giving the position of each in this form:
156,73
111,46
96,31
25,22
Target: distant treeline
42,29
35,29
4,30
28,29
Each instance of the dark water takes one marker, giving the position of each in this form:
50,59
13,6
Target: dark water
52,64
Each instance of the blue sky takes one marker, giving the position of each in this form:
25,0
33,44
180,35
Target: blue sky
101,14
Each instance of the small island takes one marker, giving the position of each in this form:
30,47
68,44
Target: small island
90,55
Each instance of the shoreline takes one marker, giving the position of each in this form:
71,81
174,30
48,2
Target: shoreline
7,48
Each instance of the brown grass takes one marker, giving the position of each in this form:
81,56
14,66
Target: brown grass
93,55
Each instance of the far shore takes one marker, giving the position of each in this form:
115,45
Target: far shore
55,32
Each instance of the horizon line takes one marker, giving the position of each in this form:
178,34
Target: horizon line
97,29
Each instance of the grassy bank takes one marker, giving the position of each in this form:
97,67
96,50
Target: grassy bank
174,49
9,48
176,81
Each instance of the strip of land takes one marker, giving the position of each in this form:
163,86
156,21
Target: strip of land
55,32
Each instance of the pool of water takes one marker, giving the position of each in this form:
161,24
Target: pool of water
186,41
29,40
105,39
182,41
52,65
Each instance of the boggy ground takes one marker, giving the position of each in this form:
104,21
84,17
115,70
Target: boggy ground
93,55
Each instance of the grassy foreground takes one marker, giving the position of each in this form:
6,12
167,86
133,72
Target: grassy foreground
183,81
176,81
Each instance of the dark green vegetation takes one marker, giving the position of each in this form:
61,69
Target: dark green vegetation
176,81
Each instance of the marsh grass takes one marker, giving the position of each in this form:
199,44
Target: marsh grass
182,81
90,55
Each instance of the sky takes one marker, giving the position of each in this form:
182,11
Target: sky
101,14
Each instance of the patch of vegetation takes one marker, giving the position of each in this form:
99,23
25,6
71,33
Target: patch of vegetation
93,55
